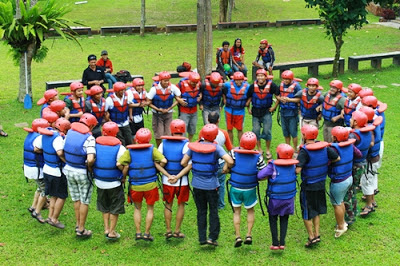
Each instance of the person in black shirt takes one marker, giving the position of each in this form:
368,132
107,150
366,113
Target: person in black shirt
93,75
260,96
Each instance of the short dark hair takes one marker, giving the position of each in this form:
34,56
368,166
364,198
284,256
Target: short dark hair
225,43
213,117
91,57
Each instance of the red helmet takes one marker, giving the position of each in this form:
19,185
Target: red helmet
215,78
110,129
209,132
194,77
337,84
264,41
62,124
57,106
284,151
340,133
248,140
370,101
287,74
360,118
177,126
143,136
94,90
262,71
137,82
366,92
238,76
312,81
119,86
75,85
50,116
39,122
309,131
88,119
164,75
47,96
368,111
356,88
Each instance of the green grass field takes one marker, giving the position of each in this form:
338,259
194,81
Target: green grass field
371,241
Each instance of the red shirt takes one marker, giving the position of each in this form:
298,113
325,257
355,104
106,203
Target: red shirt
105,64
236,53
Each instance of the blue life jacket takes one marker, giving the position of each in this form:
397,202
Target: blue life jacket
262,99
119,113
349,109
283,186
265,55
141,169
212,97
363,144
308,107
163,101
317,167
342,169
205,164
138,99
31,158
374,150
244,172
49,153
383,122
77,106
105,168
172,150
95,110
187,93
73,149
288,91
329,109
237,100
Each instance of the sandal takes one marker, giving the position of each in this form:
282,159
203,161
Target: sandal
366,211
58,225
268,156
30,209
84,233
148,237
282,247
168,235
248,240
113,238
138,236
212,242
340,232
311,242
3,133
39,218
238,242
178,235
272,247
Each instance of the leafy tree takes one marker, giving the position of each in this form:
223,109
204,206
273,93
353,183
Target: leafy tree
24,25
340,16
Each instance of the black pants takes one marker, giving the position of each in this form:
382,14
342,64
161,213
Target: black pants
125,135
273,225
207,199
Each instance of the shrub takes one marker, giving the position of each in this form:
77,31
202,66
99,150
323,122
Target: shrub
388,13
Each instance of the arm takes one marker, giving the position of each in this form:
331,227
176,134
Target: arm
183,172
298,170
91,158
185,160
60,154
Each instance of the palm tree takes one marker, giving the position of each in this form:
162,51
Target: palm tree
24,25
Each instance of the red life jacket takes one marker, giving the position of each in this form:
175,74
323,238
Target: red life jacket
351,107
224,56
163,96
213,91
95,109
332,103
264,93
117,105
76,105
310,103
286,91
137,97
193,92
240,94
263,52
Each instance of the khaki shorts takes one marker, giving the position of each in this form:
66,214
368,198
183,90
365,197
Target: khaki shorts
160,124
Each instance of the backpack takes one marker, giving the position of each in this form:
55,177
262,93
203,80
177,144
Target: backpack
123,76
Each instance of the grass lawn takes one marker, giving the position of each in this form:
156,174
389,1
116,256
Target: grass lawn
373,240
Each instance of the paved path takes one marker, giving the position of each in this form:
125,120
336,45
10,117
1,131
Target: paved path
393,24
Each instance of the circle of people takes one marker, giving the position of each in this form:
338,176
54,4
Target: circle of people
78,143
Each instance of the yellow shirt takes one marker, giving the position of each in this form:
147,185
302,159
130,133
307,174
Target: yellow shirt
125,159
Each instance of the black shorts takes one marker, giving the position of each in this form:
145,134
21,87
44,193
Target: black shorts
313,203
136,126
111,200
56,186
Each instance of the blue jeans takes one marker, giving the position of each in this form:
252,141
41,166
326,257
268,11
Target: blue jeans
221,189
236,69
266,123
111,80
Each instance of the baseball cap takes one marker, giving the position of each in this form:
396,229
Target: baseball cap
91,57
104,52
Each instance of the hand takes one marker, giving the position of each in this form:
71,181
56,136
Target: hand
79,114
249,110
172,179
183,102
318,109
130,118
272,109
201,107
334,119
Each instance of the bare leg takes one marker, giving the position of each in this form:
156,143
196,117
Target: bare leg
295,143
339,214
315,222
106,218
259,146
57,209
77,205
190,137
83,211
179,216
51,207
250,220
268,146
35,200
149,218
158,142
168,215
40,203
113,224
137,216
230,133
309,228
236,220
240,133
287,140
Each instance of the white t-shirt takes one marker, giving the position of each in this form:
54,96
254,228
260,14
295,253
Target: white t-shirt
174,91
220,139
184,178
110,105
89,148
58,144
108,185
31,172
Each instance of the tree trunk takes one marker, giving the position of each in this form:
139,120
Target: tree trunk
338,44
209,38
230,9
200,38
22,76
142,17
223,9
